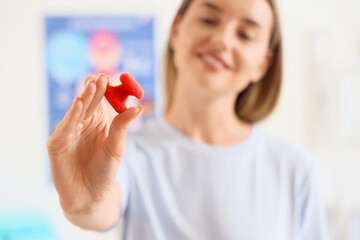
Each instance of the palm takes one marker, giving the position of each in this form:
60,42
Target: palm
85,151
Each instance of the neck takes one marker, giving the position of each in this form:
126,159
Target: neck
207,119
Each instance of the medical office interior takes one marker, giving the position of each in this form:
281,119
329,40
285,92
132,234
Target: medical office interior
319,107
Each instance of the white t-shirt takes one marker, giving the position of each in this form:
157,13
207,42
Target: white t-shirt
176,188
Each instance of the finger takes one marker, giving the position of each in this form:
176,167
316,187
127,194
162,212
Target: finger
88,79
68,123
86,97
71,117
101,84
115,142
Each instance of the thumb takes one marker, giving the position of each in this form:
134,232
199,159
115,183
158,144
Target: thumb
118,129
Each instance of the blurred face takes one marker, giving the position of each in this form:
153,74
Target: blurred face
222,45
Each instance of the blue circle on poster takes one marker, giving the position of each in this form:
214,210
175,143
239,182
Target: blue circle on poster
67,56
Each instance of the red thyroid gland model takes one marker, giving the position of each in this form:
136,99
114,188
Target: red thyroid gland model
117,95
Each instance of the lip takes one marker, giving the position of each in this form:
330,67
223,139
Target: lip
222,61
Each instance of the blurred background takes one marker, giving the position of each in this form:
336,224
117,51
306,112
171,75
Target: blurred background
319,107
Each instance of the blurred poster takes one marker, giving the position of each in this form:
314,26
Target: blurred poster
77,47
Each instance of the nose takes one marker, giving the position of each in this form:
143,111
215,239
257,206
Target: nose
223,37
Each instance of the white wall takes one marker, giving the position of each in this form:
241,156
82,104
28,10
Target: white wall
322,47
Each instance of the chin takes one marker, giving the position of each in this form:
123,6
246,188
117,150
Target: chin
213,85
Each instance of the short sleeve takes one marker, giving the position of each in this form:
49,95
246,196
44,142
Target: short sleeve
310,212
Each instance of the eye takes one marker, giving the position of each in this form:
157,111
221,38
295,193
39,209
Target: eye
244,36
208,21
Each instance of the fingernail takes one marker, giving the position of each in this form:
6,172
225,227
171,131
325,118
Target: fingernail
105,76
141,109
102,75
88,83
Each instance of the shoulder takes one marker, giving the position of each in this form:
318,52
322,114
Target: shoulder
289,161
286,153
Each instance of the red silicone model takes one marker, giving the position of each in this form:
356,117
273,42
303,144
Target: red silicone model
117,95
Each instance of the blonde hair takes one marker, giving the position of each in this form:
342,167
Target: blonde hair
259,99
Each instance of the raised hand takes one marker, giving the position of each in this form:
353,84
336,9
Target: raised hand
85,149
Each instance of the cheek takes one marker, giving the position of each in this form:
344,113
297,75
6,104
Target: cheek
185,51
192,37
247,62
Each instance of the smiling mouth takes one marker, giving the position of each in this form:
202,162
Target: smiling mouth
213,63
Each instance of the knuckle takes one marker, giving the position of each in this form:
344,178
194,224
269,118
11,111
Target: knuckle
111,155
49,144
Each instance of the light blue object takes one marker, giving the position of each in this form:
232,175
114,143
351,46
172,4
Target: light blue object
26,227
67,56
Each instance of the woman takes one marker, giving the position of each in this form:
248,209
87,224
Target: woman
203,171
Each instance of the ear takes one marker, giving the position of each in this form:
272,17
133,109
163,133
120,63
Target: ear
174,30
264,67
